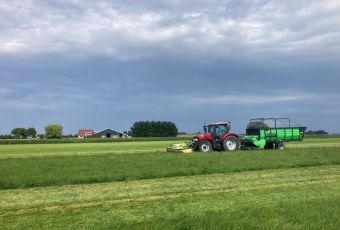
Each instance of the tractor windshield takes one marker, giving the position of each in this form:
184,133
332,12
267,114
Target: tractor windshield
218,129
211,129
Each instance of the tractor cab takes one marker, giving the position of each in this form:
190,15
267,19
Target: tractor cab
216,136
217,129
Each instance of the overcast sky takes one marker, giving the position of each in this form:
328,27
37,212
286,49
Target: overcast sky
106,64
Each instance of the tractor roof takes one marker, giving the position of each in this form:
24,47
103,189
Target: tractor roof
220,123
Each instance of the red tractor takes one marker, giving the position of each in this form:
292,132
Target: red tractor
216,136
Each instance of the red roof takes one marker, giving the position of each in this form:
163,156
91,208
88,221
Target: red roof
220,123
82,132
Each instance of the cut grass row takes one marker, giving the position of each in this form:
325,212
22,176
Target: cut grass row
82,148
299,198
83,169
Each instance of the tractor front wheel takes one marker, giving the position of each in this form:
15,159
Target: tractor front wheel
231,143
205,146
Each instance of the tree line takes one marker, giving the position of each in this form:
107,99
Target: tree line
317,132
139,129
154,129
51,131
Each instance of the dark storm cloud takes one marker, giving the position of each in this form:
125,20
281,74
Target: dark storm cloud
108,63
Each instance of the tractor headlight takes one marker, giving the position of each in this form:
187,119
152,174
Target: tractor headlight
195,139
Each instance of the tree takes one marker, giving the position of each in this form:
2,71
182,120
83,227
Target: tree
31,132
154,129
317,132
53,131
19,132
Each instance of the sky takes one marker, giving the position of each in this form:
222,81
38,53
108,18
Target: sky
106,64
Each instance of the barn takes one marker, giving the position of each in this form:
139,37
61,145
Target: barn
110,133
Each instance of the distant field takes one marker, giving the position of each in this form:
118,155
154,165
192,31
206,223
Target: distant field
315,142
138,185
22,150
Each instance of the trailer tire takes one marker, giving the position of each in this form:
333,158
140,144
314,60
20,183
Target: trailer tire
231,143
205,146
280,145
269,145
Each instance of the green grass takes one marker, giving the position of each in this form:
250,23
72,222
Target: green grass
138,185
60,170
303,198
41,150
315,142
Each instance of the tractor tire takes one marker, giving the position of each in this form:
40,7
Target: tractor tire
280,145
231,143
205,146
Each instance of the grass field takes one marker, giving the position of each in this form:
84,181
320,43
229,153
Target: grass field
138,185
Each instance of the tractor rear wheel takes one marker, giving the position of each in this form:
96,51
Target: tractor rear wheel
231,143
205,146
280,145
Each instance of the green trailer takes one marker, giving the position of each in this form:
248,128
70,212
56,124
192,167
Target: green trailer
271,133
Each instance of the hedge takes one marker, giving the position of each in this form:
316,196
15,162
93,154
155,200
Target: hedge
87,140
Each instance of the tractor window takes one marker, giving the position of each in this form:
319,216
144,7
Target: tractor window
211,129
220,129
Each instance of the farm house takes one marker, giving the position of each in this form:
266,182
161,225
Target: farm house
83,133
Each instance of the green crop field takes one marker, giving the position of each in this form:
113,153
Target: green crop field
138,185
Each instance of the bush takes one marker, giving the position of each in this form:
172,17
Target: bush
154,129
94,136
6,136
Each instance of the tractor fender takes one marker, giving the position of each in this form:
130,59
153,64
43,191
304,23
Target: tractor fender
224,136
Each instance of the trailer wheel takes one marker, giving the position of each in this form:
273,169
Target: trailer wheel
231,143
269,145
280,145
204,146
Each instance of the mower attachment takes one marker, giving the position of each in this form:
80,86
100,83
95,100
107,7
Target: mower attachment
180,148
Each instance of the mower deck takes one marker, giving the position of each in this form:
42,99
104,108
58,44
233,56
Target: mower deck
187,151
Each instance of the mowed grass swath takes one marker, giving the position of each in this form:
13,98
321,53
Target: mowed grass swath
44,165
60,170
139,185
299,198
